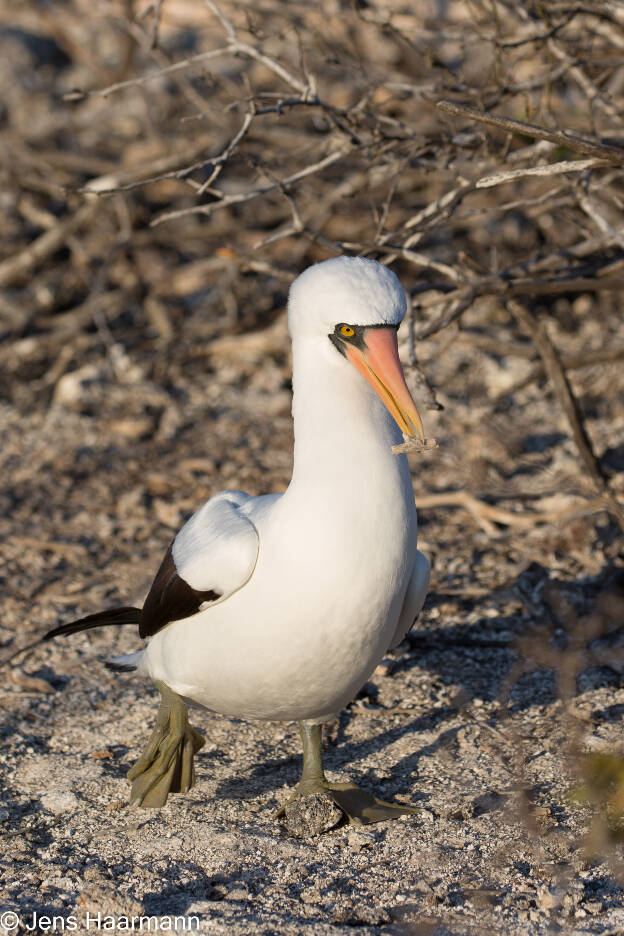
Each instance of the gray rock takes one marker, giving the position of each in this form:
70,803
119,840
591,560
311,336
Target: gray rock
59,801
311,815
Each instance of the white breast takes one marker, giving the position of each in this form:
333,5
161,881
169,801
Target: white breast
318,613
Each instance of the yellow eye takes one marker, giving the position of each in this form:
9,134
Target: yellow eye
346,331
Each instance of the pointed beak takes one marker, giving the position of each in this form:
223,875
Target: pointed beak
377,359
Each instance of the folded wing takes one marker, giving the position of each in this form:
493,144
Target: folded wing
213,555
414,598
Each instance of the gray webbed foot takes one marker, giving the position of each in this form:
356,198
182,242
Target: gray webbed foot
356,805
166,764
362,808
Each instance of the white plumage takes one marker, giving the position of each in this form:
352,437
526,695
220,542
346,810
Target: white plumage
217,549
316,584
280,607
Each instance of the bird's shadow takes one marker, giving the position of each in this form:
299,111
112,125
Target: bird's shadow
272,773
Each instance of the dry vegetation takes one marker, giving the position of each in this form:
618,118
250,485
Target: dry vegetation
167,169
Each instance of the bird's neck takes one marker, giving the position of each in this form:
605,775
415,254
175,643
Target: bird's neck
343,432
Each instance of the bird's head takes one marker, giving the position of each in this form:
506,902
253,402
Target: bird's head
357,305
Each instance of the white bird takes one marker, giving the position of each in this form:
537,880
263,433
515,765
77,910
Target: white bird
280,607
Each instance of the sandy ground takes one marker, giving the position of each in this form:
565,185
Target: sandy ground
99,481
144,368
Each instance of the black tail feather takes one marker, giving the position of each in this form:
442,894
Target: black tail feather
119,667
100,619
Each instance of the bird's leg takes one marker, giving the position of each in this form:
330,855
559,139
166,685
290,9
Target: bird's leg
313,778
166,764
358,806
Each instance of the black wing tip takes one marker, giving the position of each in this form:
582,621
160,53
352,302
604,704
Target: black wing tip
99,619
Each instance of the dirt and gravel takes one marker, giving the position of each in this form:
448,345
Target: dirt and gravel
499,844
144,366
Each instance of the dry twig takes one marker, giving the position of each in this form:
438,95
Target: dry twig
596,149
556,374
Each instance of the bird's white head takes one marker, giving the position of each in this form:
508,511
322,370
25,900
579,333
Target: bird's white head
356,306
363,290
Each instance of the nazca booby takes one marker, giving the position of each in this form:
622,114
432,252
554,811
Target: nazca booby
280,607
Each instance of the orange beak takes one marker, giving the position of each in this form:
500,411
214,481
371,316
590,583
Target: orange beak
378,362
